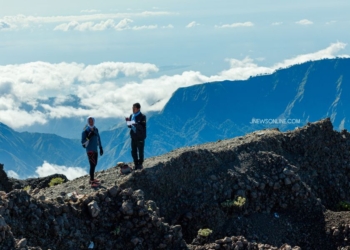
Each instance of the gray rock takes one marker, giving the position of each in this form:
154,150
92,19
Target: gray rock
113,191
296,187
277,186
241,193
127,208
213,178
227,240
22,243
3,224
138,194
287,181
288,172
94,209
135,241
35,191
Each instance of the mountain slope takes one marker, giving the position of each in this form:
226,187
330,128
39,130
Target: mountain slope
213,111
23,152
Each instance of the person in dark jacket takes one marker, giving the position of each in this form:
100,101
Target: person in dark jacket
90,139
138,135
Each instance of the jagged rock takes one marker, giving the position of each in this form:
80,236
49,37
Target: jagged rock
127,207
34,183
3,225
22,243
5,183
94,209
113,191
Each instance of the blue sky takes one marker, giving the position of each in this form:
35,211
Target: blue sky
145,50
202,47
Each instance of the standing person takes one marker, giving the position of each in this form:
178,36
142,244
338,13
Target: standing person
137,134
90,139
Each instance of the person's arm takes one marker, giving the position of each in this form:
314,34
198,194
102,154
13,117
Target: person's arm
129,126
83,139
143,123
99,142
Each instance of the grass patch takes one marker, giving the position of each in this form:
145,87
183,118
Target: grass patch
205,232
27,188
56,181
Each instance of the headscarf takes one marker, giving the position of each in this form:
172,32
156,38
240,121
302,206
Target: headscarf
88,127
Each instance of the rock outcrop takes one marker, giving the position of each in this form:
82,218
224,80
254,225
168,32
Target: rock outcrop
5,184
8,184
266,190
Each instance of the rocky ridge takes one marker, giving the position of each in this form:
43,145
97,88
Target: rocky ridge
292,183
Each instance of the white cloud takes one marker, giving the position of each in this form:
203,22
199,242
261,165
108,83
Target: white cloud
102,94
192,24
90,11
331,22
62,99
241,70
304,22
276,23
235,25
12,174
145,27
110,70
103,25
22,21
123,24
327,53
169,26
70,172
40,80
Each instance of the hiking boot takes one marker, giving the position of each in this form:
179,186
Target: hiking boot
94,181
95,184
138,167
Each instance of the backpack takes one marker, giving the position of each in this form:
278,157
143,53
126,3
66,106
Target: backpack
124,168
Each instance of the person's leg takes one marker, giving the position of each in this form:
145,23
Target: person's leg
96,160
140,147
93,162
134,152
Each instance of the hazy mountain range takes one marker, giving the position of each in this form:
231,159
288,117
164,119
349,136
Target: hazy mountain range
198,114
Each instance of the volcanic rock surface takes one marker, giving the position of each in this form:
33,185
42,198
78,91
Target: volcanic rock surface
292,184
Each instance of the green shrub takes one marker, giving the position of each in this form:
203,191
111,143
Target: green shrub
56,181
27,188
205,232
343,206
239,202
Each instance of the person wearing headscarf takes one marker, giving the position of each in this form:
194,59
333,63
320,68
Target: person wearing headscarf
91,141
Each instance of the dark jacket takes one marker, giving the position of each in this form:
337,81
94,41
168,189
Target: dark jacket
140,125
94,140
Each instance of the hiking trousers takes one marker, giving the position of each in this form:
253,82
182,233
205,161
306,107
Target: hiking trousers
92,156
137,148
